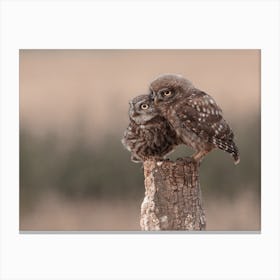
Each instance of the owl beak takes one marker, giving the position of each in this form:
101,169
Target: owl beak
156,100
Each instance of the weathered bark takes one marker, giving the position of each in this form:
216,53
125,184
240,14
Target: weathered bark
173,197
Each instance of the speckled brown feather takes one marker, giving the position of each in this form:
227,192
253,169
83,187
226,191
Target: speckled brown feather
154,138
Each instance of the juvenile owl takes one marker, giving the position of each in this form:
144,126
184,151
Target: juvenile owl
194,115
148,134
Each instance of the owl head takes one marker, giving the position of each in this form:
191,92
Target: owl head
168,88
142,109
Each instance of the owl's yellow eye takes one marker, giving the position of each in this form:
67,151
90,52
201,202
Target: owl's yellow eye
167,93
144,106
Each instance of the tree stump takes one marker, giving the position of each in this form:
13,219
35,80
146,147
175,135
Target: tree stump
172,197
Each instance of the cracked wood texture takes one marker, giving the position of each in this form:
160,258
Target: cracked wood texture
172,197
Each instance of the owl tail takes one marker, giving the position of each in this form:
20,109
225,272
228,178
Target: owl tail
233,150
236,158
229,147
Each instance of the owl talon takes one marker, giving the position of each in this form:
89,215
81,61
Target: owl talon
193,160
186,159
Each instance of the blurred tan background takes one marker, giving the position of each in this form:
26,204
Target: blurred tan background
74,172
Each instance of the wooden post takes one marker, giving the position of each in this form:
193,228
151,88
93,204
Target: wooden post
172,197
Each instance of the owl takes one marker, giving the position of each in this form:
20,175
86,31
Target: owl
148,134
194,115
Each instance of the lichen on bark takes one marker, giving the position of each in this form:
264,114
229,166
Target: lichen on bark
172,196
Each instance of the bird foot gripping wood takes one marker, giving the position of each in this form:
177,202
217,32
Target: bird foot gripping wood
172,197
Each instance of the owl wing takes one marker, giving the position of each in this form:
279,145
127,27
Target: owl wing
129,137
203,116
129,141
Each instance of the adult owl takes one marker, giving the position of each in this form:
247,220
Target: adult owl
148,134
194,115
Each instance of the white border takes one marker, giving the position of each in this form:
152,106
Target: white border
140,24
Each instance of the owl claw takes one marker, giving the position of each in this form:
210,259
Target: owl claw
193,160
187,159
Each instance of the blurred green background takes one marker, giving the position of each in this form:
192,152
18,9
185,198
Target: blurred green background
75,173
